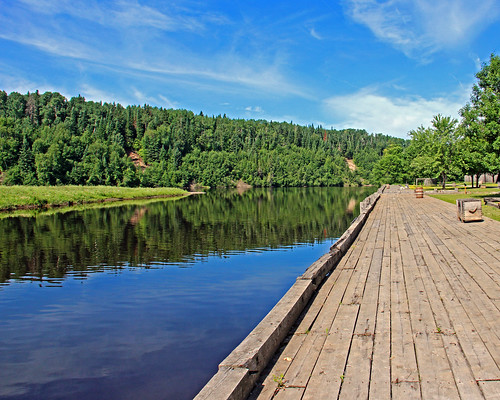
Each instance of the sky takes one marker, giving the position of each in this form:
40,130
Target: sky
387,66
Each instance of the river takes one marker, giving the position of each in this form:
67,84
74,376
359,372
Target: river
142,300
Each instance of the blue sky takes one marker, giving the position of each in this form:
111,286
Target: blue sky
384,66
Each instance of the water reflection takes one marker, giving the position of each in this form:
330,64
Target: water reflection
125,321
217,223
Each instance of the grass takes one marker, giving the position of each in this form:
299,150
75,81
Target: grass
488,211
18,197
45,211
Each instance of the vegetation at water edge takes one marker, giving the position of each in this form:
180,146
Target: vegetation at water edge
12,197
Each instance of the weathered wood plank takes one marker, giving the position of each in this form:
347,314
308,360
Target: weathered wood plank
491,389
328,374
464,379
289,393
403,358
436,378
380,382
356,382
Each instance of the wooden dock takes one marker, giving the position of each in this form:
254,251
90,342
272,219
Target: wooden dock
412,310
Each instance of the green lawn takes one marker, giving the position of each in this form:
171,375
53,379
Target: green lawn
488,211
14,197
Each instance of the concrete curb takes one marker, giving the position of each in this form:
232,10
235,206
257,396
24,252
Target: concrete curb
240,369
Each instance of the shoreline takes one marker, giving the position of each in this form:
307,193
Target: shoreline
68,196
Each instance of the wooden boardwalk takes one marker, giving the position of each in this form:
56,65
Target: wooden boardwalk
411,311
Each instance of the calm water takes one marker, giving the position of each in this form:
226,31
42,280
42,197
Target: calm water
144,300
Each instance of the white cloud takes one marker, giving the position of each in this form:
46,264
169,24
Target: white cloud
256,109
167,103
396,116
57,46
422,27
226,68
315,34
94,94
131,13
10,82
153,57
123,13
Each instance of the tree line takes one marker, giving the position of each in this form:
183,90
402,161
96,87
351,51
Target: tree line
450,149
46,139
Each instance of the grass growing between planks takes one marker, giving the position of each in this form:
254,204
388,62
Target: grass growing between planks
18,197
488,211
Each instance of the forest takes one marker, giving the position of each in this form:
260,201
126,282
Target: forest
46,139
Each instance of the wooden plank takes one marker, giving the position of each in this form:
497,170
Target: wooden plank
289,393
491,389
476,353
436,379
478,356
365,324
312,311
356,382
464,379
303,363
271,380
327,376
406,390
403,358
482,312
469,264
380,386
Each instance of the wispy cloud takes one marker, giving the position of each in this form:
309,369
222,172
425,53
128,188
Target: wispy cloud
123,14
64,47
158,56
422,27
315,34
131,13
12,82
256,109
94,94
394,116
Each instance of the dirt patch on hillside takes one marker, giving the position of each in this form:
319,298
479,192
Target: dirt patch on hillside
350,164
137,160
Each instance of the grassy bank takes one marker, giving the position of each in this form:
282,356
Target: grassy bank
488,211
19,197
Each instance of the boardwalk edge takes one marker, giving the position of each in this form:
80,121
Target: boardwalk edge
239,371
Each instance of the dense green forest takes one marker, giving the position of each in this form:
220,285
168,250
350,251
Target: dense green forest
450,149
46,139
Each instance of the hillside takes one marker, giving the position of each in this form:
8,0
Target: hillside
46,139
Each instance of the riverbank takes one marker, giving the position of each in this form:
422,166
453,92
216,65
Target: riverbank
35,197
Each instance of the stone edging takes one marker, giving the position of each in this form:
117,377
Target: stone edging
239,371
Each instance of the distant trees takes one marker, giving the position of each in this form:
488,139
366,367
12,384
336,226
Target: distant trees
47,140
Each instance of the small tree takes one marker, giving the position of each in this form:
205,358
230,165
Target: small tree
391,167
435,150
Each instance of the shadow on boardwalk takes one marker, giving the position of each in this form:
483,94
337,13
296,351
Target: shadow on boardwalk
411,311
